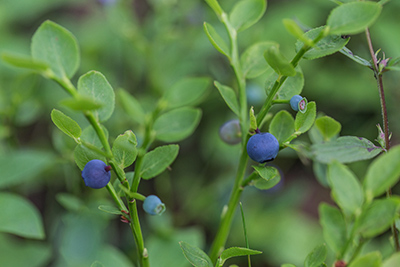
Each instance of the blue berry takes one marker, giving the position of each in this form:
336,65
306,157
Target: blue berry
298,103
230,132
96,174
153,205
262,147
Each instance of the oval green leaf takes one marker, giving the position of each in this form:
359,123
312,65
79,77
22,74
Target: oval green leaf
372,259
268,177
216,40
246,13
66,124
333,227
282,126
252,61
57,47
195,256
124,149
316,257
157,160
229,96
328,127
278,62
304,121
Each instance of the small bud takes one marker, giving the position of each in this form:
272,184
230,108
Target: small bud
153,205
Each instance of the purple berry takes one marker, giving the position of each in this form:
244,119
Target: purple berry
153,205
96,174
230,132
262,147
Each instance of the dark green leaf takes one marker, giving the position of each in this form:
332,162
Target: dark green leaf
345,51
282,126
57,47
229,96
278,62
372,259
353,18
304,121
157,160
195,256
333,227
327,46
378,217
188,91
177,124
66,124
316,257
252,60
132,106
124,149
216,40
345,149
18,216
328,127
383,173
346,189
246,13
94,85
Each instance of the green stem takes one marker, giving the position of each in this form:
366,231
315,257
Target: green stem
137,233
115,197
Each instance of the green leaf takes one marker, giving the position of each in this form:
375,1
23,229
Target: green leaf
345,149
353,18
110,209
347,52
304,121
24,62
392,261
246,13
316,257
328,127
216,40
157,160
66,124
293,85
81,103
94,85
383,173
278,62
269,177
346,189
124,149
188,91
236,252
90,136
327,46
83,155
132,106
293,28
252,60
253,121
282,126
57,47
195,256
215,6
177,124
372,259
378,217
23,166
18,216
229,96
333,227
70,202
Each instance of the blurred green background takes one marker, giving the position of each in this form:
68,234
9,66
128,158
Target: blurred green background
145,47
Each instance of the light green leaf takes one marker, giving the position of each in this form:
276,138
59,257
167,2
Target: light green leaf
110,209
328,127
24,62
383,173
124,149
246,13
81,103
347,52
353,18
94,85
83,155
392,261
18,216
268,177
327,46
278,62
66,124
316,257
378,217
372,259
293,28
157,160
215,6
57,47
188,91
293,85
195,256
216,40
346,189
282,126
132,106
304,121
229,96
236,252
333,227
252,61
177,124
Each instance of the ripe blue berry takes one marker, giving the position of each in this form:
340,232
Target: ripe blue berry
96,174
298,103
262,147
153,205
230,132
